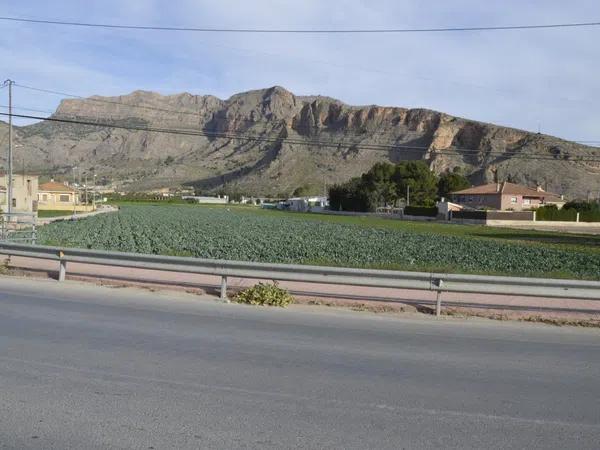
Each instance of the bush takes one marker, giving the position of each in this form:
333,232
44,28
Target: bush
583,206
426,211
265,294
589,216
553,213
588,211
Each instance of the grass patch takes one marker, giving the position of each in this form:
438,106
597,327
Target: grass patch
53,213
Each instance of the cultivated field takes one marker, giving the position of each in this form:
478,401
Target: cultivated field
273,236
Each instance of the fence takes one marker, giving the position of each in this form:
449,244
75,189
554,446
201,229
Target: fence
18,227
426,211
493,215
437,282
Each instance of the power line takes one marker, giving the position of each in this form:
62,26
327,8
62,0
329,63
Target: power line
153,108
20,108
114,102
250,137
306,30
215,134
337,145
297,127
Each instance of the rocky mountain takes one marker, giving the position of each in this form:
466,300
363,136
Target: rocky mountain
270,141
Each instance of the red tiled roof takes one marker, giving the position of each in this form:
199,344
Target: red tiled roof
53,186
510,189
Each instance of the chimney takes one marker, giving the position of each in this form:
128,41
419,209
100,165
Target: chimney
538,188
497,187
51,180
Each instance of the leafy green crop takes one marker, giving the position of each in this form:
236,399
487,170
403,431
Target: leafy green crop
221,233
264,294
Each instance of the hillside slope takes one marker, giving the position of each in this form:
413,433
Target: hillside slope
286,155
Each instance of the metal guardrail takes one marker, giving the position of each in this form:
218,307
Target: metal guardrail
436,282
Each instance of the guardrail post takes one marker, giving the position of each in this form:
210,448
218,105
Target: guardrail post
437,286
62,268
62,271
438,304
224,288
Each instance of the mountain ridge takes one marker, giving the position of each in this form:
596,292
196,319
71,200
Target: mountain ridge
356,137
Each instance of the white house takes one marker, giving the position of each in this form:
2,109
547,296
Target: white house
219,200
304,204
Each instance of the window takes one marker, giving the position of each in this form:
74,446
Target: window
14,203
65,198
44,197
28,187
527,201
513,199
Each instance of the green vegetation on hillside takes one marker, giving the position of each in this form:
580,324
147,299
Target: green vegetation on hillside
252,234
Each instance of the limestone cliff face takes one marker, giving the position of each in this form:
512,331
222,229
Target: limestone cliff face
296,141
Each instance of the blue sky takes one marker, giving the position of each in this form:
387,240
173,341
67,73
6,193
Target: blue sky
525,79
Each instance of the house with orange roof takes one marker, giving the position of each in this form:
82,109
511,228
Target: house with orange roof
506,196
60,197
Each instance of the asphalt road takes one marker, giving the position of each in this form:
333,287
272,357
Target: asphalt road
89,367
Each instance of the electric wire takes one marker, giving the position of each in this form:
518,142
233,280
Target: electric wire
306,30
192,113
338,145
99,100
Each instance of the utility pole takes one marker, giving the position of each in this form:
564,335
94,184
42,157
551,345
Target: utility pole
9,183
94,194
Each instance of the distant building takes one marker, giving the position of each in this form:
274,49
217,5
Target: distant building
60,197
445,208
163,192
24,193
506,196
185,191
304,204
219,200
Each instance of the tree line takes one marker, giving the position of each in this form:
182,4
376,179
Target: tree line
385,184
